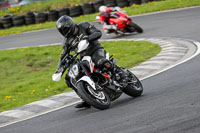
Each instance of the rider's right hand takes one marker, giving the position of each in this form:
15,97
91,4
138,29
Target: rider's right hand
63,64
60,69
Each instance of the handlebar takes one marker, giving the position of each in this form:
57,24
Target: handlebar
68,59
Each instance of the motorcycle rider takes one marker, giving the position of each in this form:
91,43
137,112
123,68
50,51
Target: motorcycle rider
73,33
104,17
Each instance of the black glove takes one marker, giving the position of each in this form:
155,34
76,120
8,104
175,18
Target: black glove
60,69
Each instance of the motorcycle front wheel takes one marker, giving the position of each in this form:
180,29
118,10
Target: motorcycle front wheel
134,27
96,98
135,88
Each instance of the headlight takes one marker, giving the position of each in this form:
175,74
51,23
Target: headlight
74,71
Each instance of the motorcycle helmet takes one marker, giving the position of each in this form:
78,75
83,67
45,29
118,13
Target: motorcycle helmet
103,9
66,26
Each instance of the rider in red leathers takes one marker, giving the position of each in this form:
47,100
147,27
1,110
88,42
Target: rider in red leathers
105,16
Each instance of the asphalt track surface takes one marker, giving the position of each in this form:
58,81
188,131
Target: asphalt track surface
170,103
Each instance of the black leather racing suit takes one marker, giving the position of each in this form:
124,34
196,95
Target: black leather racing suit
95,50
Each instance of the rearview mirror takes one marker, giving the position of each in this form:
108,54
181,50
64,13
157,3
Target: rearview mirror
83,44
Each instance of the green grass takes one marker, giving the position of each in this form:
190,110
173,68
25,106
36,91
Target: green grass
133,10
26,73
160,6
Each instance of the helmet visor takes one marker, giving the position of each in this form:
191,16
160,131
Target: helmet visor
66,26
68,31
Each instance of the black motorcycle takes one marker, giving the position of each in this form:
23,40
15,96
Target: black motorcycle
95,86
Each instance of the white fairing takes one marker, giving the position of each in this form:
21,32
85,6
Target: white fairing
74,71
89,59
83,44
56,77
107,56
88,80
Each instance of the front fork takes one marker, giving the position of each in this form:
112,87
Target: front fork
87,78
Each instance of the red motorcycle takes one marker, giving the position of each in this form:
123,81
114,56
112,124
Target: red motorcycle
121,23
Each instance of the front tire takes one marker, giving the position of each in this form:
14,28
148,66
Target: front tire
135,27
133,89
97,99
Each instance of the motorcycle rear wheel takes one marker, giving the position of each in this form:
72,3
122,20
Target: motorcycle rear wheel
97,99
135,27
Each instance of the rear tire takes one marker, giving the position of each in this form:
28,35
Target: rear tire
103,102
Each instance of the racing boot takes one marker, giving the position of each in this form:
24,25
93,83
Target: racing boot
108,29
120,75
